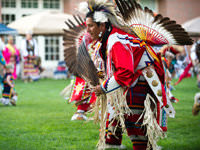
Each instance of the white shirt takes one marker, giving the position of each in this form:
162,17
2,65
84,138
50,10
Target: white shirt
24,47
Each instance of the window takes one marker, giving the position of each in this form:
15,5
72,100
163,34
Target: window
29,3
51,3
8,3
8,18
51,48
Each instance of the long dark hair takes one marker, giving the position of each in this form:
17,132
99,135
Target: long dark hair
108,27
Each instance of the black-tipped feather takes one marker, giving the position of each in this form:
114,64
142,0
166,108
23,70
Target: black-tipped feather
129,10
78,59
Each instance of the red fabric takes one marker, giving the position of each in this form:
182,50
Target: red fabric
125,75
140,147
84,107
60,68
186,73
159,69
81,92
171,49
124,64
116,138
78,90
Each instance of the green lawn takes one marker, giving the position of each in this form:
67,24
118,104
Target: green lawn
41,121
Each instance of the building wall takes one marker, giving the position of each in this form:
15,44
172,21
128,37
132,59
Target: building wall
71,6
179,10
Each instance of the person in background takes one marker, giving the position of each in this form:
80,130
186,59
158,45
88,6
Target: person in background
83,98
2,70
30,57
195,57
2,43
12,55
81,92
9,95
168,54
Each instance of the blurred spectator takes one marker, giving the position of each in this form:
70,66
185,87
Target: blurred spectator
183,66
2,43
195,58
61,71
12,56
9,94
196,106
195,52
31,60
2,66
169,54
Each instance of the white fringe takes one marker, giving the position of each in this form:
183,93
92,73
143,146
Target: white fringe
154,132
117,99
66,92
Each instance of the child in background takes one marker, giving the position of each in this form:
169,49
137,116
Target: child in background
8,94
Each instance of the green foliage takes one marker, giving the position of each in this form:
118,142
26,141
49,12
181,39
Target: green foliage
41,120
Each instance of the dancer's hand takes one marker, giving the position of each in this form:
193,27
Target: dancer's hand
98,91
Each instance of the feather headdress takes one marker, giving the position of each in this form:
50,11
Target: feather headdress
105,11
75,52
157,29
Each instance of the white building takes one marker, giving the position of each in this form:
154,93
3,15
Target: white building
50,47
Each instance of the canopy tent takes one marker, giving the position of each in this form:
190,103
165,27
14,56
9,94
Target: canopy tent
4,30
43,23
192,26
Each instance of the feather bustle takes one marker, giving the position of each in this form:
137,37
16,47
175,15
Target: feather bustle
76,57
149,26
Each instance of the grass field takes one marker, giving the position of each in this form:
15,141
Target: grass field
41,121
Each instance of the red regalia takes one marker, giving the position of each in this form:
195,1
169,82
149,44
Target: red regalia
81,94
127,58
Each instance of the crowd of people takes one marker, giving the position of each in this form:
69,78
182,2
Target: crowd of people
17,63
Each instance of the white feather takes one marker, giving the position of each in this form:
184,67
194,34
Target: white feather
139,18
83,8
100,16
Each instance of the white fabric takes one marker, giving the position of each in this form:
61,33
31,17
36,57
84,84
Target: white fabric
146,58
49,22
24,49
15,98
5,101
116,37
193,52
111,85
78,115
170,110
2,45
